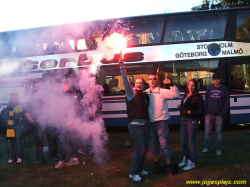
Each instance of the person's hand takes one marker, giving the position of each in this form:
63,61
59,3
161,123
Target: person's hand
167,81
121,63
158,70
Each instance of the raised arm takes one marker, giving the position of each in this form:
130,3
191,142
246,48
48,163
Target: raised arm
171,93
128,88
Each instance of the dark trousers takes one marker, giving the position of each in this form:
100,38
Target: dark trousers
51,135
19,131
68,136
39,135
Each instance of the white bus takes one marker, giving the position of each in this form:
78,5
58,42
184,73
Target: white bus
181,45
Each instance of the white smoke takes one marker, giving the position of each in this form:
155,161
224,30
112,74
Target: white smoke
7,67
53,107
80,108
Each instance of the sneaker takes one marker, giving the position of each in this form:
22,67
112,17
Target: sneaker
46,149
10,160
218,152
205,150
168,170
106,137
157,168
127,144
19,160
190,165
80,151
60,165
73,161
39,162
143,172
135,177
184,162
85,152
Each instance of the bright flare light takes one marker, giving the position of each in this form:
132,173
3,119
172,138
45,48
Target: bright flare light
117,41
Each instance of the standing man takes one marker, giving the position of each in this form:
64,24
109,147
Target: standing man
16,127
137,103
40,129
36,102
158,116
216,108
68,133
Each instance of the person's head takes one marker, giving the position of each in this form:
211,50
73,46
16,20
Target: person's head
38,86
192,86
14,98
216,79
152,82
139,83
66,85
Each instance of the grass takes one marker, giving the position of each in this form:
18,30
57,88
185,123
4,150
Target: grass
232,165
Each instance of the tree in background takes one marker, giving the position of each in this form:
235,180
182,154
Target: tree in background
220,4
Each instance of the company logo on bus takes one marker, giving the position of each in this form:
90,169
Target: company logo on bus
214,49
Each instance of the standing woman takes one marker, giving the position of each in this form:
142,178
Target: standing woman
192,106
137,103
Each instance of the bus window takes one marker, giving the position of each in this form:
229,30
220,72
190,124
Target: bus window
181,72
5,91
111,80
195,27
240,74
243,25
81,44
145,31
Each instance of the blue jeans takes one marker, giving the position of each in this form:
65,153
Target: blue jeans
159,137
209,121
18,139
140,136
68,136
188,131
51,135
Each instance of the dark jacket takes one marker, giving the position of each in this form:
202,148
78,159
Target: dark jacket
195,104
138,106
18,117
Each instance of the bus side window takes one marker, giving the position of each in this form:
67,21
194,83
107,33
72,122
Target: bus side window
195,27
145,31
243,25
111,81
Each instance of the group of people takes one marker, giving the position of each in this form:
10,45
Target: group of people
17,127
66,133
148,117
